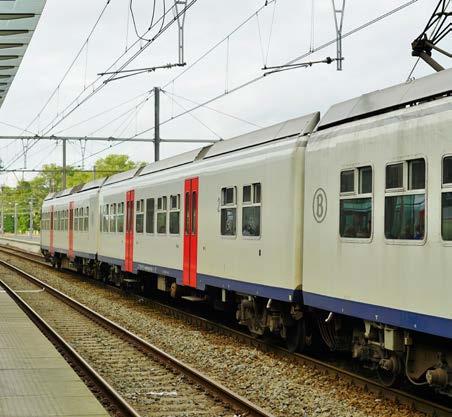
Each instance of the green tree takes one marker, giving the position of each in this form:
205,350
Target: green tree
48,181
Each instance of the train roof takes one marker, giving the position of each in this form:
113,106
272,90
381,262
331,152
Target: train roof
172,162
68,191
93,184
294,127
49,196
299,126
122,176
392,98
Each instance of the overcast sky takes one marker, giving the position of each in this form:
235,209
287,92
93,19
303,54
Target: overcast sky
376,57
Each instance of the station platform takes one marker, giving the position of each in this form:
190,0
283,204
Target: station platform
24,242
35,380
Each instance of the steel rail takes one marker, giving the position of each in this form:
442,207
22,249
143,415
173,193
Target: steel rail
216,389
104,387
413,401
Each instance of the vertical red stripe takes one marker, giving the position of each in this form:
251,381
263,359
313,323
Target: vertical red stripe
190,260
130,201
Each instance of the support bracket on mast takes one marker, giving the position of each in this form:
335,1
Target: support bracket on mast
180,6
338,11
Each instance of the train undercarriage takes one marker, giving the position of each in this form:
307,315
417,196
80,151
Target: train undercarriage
394,354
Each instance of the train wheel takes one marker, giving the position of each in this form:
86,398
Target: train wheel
296,336
389,371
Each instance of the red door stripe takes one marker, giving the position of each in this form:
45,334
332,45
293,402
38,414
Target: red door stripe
190,260
130,201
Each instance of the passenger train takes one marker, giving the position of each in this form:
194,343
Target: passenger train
333,230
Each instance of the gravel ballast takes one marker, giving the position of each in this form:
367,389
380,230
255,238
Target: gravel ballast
267,379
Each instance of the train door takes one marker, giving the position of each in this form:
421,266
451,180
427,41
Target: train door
51,244
71,231
190,232
130,201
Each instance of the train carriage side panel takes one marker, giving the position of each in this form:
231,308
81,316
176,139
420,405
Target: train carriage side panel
403,282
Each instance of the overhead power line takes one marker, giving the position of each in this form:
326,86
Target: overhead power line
255,79
67,111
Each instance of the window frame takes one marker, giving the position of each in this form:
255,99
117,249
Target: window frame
444,188
356,195
161,211
147,200
174,210
251,203
140,204
233,205
406,191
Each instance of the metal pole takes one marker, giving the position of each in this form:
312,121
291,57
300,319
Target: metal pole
339,21
31,218
64,165
156,123
15,218
3,218
94,173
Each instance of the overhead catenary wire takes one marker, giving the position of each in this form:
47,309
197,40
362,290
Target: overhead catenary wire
253,80
66,113
241,119
75,104
260,77
198,119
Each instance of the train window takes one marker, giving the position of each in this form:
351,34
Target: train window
247,194
150,209
348,181
404,217
174,216
356,218
228,196
161,215
76,220
228,211
355,210
120,218
105,219
447,170
394,176
112,219
365,180
416,174
446,216
405,212
446,200
251,211
139,221
86,219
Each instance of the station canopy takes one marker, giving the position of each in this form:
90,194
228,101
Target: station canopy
18,21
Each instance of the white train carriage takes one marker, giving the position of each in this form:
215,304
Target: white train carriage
225,217
378,237
70,223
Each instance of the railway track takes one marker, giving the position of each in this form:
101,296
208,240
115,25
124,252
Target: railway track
137,377
413,401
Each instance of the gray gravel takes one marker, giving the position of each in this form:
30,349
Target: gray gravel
274,383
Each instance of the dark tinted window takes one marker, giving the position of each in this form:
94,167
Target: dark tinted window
355,217
404,217
347,181
365,180
447,170
150,207
446,216
416,172
394,176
